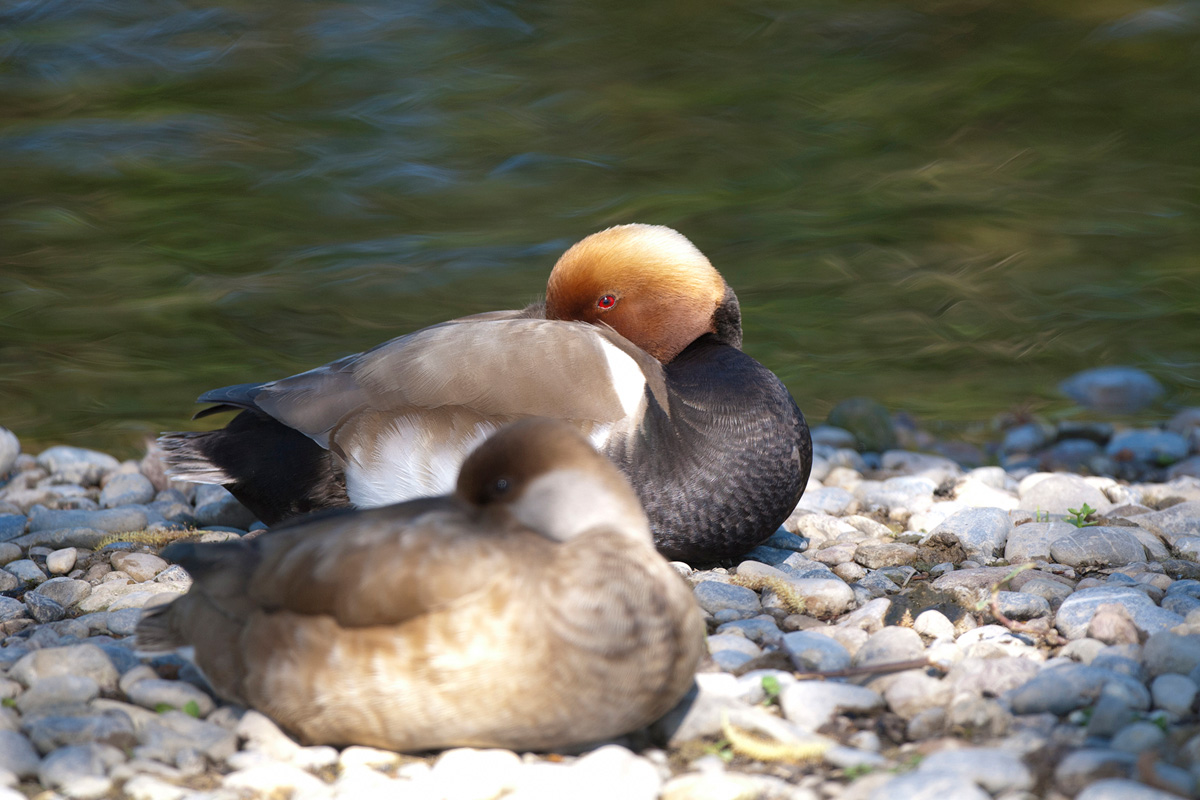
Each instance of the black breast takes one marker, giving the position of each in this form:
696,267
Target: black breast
726,467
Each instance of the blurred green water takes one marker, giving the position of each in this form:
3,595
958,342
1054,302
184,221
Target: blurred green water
948,206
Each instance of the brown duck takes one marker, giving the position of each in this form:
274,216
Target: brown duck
637,345
528,610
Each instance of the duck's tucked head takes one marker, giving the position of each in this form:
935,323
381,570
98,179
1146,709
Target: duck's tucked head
649,283
545,474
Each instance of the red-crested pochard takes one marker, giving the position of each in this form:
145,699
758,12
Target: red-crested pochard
528,610
637,345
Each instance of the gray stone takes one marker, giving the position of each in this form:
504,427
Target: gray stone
730,651
1182,519
1122,789
812,704
713,597
81,659
981,531
138,566
833,436
154,693
911,492
1167,652
1069,455
1027,438
25,571
59,727
42,608
937,468
1076,612
1097,546
991,676
112,520
832,500
1174,693
761,629
57,690
821,597
11,608
1138,738
79,771
216,506
911,692
887,554
1022,606
11,526
1058,493
1062,689
890,645
128,488
64,591
1148,446
168,734
992,768
69,462
1031,541
8,581
1114,389
1077,769
928,785
815,652
17,755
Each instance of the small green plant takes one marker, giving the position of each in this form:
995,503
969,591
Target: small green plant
192,709
771,690
1081,514
1041,516
721,749
856,771
9,702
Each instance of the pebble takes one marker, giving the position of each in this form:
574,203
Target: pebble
1115,389
981,532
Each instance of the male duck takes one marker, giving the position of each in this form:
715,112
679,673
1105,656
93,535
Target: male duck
528,610
637,345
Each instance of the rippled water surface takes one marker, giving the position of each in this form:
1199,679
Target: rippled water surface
949,206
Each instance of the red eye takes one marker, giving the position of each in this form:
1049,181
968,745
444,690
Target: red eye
606,302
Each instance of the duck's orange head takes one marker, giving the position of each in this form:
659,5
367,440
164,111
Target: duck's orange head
650,284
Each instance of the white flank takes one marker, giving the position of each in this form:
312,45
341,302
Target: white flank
628,381
404,463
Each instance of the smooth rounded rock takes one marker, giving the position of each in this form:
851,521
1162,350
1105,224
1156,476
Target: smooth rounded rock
60,562
713,597
1174,693
1122,789
1097,547
1058,493
17,754
992,768
129,488
154,694
468,774
80,771
1076,612
811,704
815,652
929,785
1114,389
1168,652
86,660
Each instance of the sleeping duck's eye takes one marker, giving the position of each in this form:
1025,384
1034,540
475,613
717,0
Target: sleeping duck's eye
606,302
500,486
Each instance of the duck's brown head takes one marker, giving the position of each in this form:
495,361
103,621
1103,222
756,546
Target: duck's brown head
544,474
650,284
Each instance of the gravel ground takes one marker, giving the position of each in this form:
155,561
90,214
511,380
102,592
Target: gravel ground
979,633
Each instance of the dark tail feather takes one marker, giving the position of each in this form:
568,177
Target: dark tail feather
275,471
155,633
